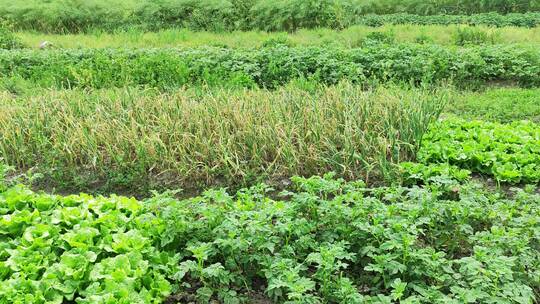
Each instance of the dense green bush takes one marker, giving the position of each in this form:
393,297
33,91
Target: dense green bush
217,15
292,15
325,241
473,36
379,37
271,67
8,41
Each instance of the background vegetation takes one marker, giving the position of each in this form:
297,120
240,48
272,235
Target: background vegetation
218,15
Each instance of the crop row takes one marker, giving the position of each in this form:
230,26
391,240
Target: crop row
325,241
509,152
271,66
140,139
489,19
76,16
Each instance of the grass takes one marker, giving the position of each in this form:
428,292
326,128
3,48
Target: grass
499,104
135,140
349,37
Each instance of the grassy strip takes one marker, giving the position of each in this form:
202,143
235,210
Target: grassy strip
326,241
222,15
350,37
501,105
510,153
133,138
270,67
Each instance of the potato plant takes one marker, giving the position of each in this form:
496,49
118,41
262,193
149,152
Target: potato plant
272,66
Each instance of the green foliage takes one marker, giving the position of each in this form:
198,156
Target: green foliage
433,236
79,248
510,153
274,66
278,41
327,241
423,39
422,174
63,16
493,19
470,35
8,41
380,37
453,7
350,37
4,170
290,15
339,242
500,105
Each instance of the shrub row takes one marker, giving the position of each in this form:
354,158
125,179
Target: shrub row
454,7
489,19
76,16
325,241
271,67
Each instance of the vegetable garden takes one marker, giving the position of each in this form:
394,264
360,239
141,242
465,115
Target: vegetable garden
172,152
